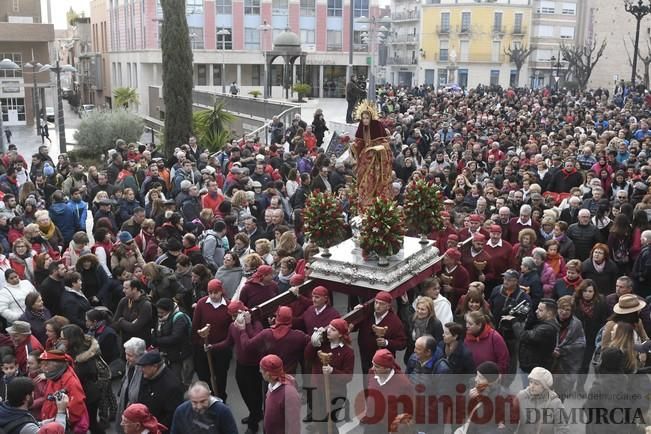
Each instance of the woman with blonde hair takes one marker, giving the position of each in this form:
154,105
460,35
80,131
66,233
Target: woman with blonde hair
524,247
263,248
419,322
48,231
288,246
240,207
623,337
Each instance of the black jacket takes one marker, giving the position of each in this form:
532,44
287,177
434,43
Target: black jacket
584,238
172,336
532,281
537,343
74,307
162,394
51,291
605,280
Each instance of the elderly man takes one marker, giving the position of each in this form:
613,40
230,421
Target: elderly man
642,267
24,342
161,390
570,215
134,348
516,224
584,234
202,412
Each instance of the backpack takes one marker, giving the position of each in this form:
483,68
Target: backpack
188,321
211,255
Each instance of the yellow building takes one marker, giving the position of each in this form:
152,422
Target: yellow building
463,41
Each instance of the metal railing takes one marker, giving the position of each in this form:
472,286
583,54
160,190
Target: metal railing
478,58
406,16
519,30
404,39
500,30
442,30
402,61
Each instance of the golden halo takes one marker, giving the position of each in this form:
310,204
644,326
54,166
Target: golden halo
366,106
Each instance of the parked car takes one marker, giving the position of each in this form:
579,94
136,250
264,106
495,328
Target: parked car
86,109
49,114
66,92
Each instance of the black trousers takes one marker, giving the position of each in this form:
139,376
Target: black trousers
249,382
349,112
221,361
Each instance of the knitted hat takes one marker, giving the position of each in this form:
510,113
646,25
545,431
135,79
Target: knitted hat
124,237
384,358
384,297
543,376
236,306
453,254
215,285
321,291
139,413
489,370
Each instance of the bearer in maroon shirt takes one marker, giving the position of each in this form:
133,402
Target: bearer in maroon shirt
282,406
453,276
319,314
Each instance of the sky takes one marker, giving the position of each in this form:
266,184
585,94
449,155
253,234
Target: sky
60,7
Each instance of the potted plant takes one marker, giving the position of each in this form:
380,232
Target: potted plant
423,204
323,220
302,89
255,93
382,230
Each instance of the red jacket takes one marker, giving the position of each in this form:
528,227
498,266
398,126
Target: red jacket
23,350
488,346
77,413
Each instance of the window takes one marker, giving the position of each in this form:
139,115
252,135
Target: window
359,42
252,7
443,77
569,9
334,40
307,36
159,8
547,7
202,75
497,22
129,74
224,7
279,7
217,75
445,21
543,55
257,75
135,75
16,5
17,58
17,108
465,21
308,8
464,49
567,32
429,77
545,31
517,23
224,42
335,8
251,38
194,7
360,8
496,51
495,77
443,51
513,78
196,37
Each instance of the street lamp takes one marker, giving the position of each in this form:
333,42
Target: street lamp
264,27
556,63
223,33
639,10
35,93
374,37
5,65
58,69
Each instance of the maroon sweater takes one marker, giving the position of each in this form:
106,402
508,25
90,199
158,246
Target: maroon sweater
282,408
441,237
459,284
515,228
253,294
500,259
290,347
310,320
247,358
367,339
391,392
468,261
219,320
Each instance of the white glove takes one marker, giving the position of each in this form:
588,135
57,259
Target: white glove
317,337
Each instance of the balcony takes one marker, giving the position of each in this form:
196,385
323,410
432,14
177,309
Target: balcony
443,30
361,48
498,30
409,39
519,31
463,30
479,58
334,47
406,16
402,61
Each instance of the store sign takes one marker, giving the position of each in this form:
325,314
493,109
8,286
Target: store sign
11,86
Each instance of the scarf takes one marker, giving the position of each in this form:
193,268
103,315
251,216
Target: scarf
285,278
599,268
567,174
587,307
572,283
38,314
554,261
47,231
55,374
419,328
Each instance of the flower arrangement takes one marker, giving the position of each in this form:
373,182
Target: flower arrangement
423,205
322,219
382,228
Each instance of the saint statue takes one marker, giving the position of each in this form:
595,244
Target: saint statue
372,152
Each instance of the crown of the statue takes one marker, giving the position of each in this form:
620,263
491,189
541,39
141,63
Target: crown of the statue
366,106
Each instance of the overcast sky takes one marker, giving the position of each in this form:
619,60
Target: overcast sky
60,7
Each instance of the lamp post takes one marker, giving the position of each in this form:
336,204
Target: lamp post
58,69
375,35
556,63
5,65
223,33
35,93
639,10
264,28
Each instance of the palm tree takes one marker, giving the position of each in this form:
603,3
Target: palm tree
211,126
125,97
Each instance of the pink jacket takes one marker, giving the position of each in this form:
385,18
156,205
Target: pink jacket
488,346
548,280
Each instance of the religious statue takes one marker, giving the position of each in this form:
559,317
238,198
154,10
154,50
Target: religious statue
372,152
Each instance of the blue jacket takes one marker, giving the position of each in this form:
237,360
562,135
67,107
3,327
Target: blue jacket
218,419
12,419
422,374
63,218
80,211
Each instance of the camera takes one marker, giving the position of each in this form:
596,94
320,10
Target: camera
521,309
57,396
517,313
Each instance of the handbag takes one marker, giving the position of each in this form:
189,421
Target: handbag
463,429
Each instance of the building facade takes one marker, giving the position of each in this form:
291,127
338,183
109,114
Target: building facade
463,42
23,38
229,39
404,43
97,62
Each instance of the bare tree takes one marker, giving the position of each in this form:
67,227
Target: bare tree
646,61
518,54
582,60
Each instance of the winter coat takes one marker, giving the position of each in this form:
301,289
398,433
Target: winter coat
433,328
604,281
424,373
120,258
77,413
537,343
584,238
134,319
547,279
74,306
37,323
64,219
172,336
162,394
86,369
165,285
488,346
530,406
128,391
94,281
212,249
218,416
12,299
532,281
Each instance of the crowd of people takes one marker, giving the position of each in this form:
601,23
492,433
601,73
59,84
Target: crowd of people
126,287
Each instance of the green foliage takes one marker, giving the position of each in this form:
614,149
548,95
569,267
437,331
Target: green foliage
125,97
177,74
99,130
211,126
255,93
423,206
323,219
71,16
382,228
302,89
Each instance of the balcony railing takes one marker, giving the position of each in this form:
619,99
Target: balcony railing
404,39
480,58
498,30
443,30
334,47
406,16
463,29
402,61
360,47
520,31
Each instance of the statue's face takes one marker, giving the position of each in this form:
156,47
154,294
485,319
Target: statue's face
366,119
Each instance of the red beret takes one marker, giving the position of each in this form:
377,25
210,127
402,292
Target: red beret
235,307
56,356
283,316
384,358
273,365
139,413
475,218
341,325
495,228
215,285
320,291
384,297
453,237
478,236
453,254
297,279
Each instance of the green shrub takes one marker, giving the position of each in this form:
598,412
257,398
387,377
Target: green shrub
99,130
